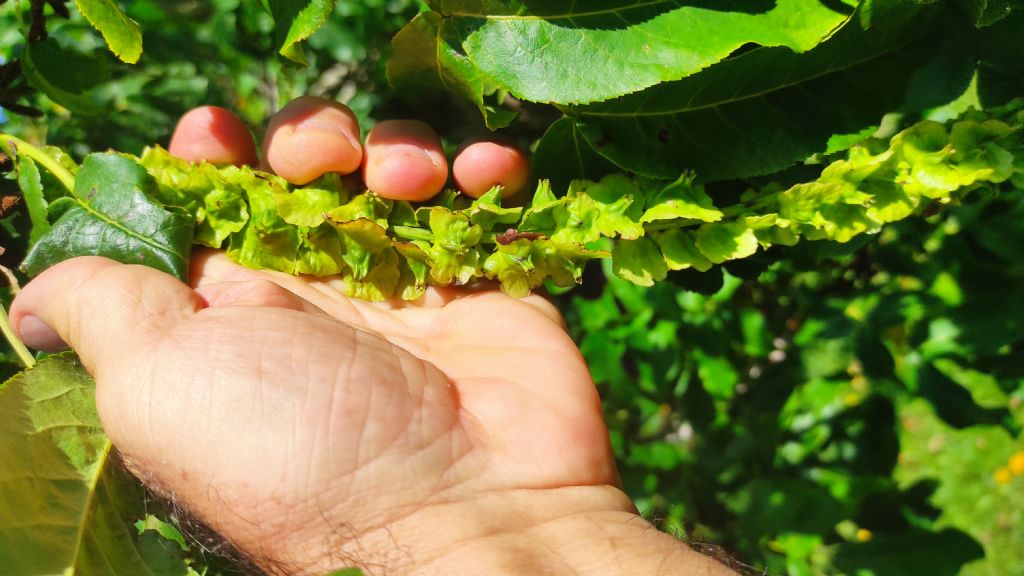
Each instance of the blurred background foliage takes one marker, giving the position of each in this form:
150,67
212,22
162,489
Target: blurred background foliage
820,409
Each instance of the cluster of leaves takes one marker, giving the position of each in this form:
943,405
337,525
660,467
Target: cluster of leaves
151,209
837,409
842,406
640,96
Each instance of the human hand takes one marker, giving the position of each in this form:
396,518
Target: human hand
457,434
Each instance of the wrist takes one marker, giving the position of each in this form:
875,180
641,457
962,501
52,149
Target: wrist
574,530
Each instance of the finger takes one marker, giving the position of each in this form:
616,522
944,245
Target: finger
100,308
404,161
311,137
323,295
254,293
215,135
481,166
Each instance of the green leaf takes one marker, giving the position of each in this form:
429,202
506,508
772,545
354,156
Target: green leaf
372,263
610,49
414,266
267,241
320,252
424,57
1001,71
720,242
123,35
454,256
681,199
539,216
112,214
308,206
523,264
618,200
767,108
610,208
488,213
511,265
563,262
639,261
68,503
165,530
679,248
916,553
984,388
564,155
223,213
32,193
987,12
453,231
942,161
69,78
295,21
368,206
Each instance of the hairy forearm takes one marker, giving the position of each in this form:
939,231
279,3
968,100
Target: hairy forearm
608,543
574,530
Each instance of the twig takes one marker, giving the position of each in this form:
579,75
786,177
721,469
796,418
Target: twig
14,146
37,26
60,8
12,280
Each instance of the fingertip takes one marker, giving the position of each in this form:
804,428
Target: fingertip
214,135
311,137
404,161
32,318
98,306
37,334
483,165
405,176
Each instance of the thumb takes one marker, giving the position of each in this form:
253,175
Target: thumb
100,308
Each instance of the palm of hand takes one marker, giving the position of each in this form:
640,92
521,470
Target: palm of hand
361,407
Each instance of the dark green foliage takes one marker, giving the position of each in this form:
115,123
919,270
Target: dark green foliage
825,408
878,389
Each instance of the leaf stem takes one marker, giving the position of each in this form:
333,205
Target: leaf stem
19,348
14,146
738,209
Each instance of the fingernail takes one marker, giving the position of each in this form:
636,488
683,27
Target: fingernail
37,334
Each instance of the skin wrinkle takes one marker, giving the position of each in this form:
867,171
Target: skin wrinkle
326,435
349,378
383,524
167,339
608,538
365,412
310,399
